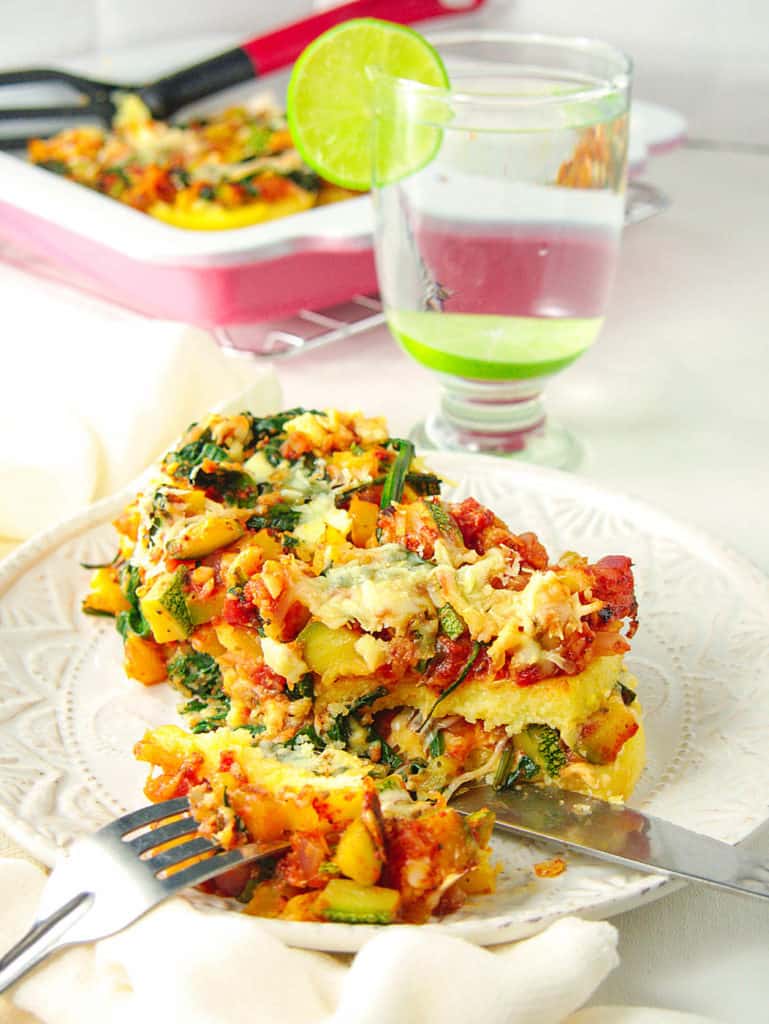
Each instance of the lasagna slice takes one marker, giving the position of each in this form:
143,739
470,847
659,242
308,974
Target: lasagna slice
300,581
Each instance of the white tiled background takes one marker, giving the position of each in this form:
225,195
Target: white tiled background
708,59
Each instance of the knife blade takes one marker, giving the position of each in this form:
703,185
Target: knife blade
618,834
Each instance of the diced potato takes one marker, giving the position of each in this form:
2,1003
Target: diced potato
205,640
105,596
480,879
357,855
203,534
301,908
239,640
269,545
127,523
605,733
144,660
266,900
329,550
364,516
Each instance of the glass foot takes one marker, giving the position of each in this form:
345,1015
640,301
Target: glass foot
544,444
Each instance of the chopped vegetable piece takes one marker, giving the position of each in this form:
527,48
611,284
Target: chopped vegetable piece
133,620
543,745
476,650
358,856
105,596
203,534
164,607
606,731
452,624
395,480
144,660
347,901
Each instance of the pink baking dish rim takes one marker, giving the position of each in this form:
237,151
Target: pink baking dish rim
207,296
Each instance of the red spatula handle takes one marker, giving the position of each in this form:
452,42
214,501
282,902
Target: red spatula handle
280,48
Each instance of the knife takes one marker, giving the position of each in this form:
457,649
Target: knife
618,834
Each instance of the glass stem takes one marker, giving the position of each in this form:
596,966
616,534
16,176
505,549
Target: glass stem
489,416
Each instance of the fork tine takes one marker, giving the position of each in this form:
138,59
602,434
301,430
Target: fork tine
205,869
178,854
146,816
158,836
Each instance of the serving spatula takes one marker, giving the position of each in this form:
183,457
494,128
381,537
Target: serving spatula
92,100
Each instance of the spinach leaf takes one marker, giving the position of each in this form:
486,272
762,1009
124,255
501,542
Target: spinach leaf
255,730
209,724
304,688
306,732
196,672
191,455
279,517
133,620
437,745
524,770
304,178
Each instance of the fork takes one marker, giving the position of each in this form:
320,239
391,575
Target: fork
110,878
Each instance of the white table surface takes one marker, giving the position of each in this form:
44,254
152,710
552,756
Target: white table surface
672,407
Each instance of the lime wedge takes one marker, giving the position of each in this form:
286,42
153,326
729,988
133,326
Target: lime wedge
330,97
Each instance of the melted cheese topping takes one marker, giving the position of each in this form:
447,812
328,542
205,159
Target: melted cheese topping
316,515
384,588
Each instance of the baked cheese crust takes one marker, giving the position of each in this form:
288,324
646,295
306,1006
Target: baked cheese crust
228,170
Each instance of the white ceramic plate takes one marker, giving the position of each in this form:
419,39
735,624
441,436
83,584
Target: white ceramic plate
69,718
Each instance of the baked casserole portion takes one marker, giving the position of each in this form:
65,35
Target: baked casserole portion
300,581
227,170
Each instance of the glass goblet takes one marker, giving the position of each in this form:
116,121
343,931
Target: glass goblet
499,206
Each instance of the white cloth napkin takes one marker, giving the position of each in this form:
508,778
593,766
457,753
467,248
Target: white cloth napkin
90,394
202,966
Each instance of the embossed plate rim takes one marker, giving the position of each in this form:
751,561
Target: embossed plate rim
516,921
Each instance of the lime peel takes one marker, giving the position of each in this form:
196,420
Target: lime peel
330,97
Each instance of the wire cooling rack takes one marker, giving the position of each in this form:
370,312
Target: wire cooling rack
308,328
312,328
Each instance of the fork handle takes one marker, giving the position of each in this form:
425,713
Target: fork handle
42,939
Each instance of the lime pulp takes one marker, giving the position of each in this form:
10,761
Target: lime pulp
330,99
